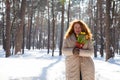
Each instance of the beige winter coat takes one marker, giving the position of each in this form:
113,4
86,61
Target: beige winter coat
75,64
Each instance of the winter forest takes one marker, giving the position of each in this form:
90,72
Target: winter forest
41,24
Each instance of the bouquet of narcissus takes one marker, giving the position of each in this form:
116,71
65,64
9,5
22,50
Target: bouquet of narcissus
81,39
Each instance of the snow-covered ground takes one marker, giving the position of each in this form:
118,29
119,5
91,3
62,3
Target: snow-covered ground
38,65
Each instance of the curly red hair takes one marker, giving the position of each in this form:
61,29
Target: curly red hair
84,28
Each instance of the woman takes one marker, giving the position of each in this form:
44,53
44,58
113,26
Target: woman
79,64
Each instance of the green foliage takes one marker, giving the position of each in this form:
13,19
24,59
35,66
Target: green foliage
82,38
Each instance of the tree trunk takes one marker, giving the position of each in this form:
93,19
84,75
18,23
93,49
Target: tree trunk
95,31
48,46
68,14
107,33
23,45
19,35
53,29
34,34
29,29
113,32
3,33
8,27
100,25
62,29
37,30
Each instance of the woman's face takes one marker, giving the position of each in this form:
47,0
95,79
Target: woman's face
77,28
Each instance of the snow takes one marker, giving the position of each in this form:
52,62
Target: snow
108,70
38,65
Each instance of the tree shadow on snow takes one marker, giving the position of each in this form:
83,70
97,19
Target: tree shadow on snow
44,74
114,61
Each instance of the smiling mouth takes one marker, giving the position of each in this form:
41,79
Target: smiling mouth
77,31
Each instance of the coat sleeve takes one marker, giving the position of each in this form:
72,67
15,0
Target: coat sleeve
66,50
87,50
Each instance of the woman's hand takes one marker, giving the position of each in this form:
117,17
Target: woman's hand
76,51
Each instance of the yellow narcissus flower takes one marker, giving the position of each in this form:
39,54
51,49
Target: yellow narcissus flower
87,37
82,33
77,35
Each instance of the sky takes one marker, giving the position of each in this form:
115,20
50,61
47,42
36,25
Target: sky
38,65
